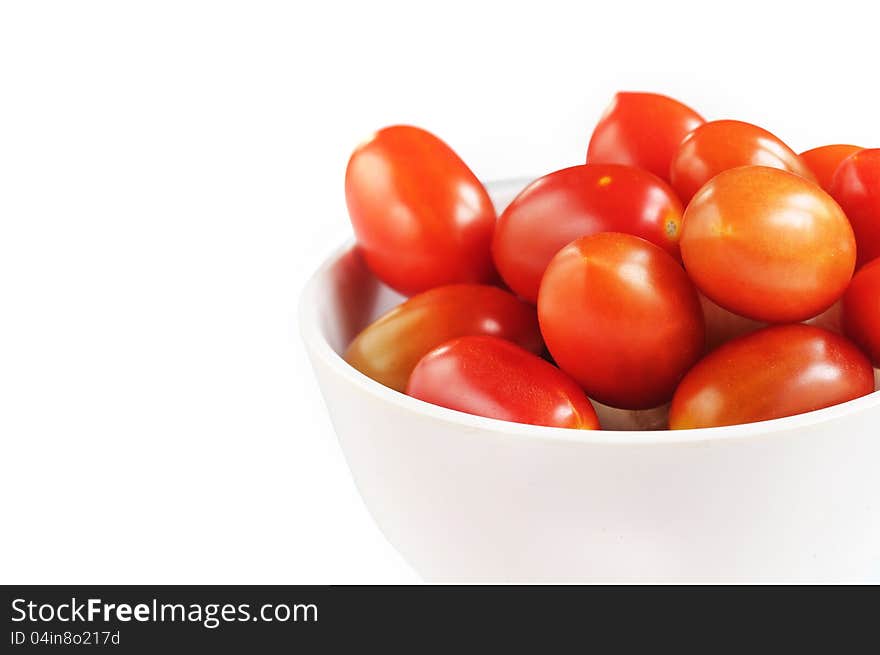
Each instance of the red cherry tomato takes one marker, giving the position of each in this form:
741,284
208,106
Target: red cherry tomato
421,217
578,201
767,244
488,376
856,186
720,145
621,317
861,310
388,349
777,371
824,160
641,129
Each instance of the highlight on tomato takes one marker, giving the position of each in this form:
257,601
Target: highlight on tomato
388,349
491,377
421,217
775,372
579,201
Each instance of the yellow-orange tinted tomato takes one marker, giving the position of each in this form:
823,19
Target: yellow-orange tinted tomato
768,245
388,349
775,372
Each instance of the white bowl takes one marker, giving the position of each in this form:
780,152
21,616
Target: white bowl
466,498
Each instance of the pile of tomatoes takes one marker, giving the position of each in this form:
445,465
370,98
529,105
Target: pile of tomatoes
700,266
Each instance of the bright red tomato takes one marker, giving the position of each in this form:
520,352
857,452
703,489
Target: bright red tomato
578,201
856,186
777,371
824,160
720,145
488,376
861,310
388,349
421,217
641,129
768,245
621,317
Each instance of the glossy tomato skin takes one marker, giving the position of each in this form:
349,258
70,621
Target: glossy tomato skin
861,310
421,217
388,349
824,160
643,130
768,245
720,145
621,317
777,371
856,186
491,377
579,201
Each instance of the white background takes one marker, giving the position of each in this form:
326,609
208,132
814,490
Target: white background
170,172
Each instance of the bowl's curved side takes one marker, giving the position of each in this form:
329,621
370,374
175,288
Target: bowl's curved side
467,504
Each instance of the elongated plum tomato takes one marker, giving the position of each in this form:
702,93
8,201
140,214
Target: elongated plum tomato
388,349
721,145
488,376
579,201
777,371
768,245
621,317
861,310
641,129
856,186
824,160
421,217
